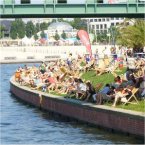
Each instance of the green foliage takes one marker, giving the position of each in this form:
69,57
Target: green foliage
60,20
132,35
43,26
136,107
91,75
113,34
42,34
2,29
78,24
56,37
36,37
53,21
95,39
109,78
63,35
13,31
21,29
37,28
17,29
102,38
30,29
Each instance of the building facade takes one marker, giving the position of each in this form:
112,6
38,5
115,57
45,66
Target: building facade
102,25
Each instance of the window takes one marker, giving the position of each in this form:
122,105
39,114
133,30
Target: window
97,26
99,20
95,20
105,26
105,31
91,20
117,23
112,24
93,27
101,26
97,31
103,19
107,19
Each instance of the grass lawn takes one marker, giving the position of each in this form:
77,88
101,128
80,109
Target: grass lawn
108,78
135,107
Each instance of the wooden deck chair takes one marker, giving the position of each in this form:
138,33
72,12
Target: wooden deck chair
134,90
100,71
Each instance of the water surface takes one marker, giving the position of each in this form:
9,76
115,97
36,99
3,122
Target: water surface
24,124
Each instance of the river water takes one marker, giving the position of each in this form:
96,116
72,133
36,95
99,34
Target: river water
23,124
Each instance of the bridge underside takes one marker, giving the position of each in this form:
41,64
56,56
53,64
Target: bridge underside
72,15
72,10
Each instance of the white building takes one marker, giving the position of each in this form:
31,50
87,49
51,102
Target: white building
102,25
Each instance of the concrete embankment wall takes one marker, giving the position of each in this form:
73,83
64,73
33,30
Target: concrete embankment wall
43,53
126,121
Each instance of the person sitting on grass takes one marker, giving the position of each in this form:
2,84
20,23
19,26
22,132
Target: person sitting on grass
38,82
67,86
117,82
42,68
121,93
101,98
81,89
98,96
18,75
90,91
141,85
73,89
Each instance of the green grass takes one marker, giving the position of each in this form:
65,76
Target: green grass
109,78
136,107
104,78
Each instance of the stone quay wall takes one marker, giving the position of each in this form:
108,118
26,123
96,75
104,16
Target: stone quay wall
129,122
20,54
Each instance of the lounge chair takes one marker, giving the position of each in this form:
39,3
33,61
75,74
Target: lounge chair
125,100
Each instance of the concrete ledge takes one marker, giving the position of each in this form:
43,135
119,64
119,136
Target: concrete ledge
121,120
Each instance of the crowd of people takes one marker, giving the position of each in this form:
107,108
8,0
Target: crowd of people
64,77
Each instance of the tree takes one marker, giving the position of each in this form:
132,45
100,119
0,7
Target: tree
60,20
20,28
36,37
2,29
63,35
78,24
42,34
102,38
132,34
56,37
30,29
53,21
17,29
37,27
13,31
113,34
43,26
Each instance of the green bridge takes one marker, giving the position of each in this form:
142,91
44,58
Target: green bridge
61,8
